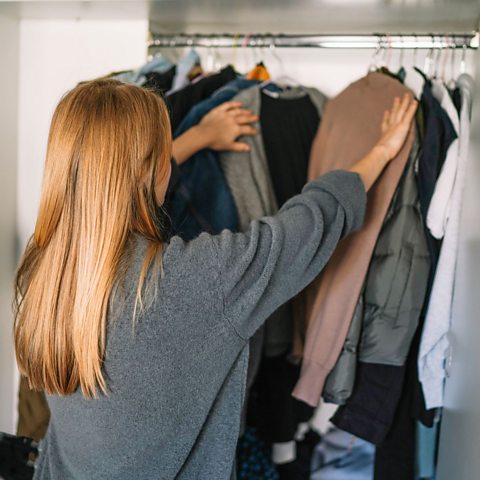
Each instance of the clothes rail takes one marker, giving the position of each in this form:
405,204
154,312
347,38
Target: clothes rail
265,40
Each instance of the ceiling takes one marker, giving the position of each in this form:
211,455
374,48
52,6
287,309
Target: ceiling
315,16
288,16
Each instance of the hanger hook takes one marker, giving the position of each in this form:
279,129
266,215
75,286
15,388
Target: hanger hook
429,57
402,53
388,53
463,62
373,62
439,56
415,50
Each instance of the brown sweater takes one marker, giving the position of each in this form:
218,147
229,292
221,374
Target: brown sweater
349,129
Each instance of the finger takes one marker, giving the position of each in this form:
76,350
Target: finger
394,109
385,120
407,98
239,147
247,130
245,119
235,112
229,105
410,113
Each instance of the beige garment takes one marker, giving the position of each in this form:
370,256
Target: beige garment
349,129
33,412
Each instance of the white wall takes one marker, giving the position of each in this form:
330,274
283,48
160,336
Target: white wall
8,166
53,55
460,432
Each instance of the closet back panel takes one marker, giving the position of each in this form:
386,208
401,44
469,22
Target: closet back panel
9,54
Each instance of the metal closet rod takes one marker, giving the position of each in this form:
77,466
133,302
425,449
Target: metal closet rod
366,41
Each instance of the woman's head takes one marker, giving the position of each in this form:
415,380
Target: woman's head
107,165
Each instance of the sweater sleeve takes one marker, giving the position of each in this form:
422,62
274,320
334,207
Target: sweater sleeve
278,256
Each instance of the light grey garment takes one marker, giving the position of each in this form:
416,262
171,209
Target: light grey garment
249,180
176,383
184,66
158,64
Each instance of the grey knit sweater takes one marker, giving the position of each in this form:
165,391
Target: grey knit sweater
177,382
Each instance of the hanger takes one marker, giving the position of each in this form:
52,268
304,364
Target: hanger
437,60
373,67
463,63
282,80
402,73
428,59
452,82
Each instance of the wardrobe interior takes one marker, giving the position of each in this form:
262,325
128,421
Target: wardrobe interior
48,47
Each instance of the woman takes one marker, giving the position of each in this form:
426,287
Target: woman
142,345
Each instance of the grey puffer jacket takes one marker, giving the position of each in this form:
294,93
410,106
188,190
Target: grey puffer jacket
395,287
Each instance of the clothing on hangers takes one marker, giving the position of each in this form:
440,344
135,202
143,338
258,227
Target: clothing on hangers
179,103
355,114
184,67
259,72
160,82
395,458
158,64
202,201
394,294
434,356
287,126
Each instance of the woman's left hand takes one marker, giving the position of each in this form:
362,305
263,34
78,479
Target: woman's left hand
224,124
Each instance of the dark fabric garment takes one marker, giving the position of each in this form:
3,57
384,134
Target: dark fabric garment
179,103
253,458
438,136
299,469
16,457
371,408
201,200
160,82
272,409
395,457
457,99
288,128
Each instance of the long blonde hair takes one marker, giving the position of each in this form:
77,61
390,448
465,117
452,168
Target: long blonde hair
108,144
